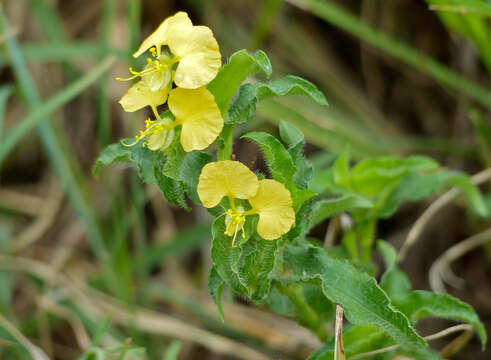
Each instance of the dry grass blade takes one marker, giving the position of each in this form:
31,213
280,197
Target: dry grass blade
441,264
420,224
35,352
100,304
438,335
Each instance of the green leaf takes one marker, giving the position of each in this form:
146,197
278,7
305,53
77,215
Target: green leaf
325,208
342,174
142,157
417,186
240,65
370,176
191,167
394,282
295,141
364,302
420,304
281,165
173,190
312,292
224,256
255,265
293,137
250,94
215,288
356,340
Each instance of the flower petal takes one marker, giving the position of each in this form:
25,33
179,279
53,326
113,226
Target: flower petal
226,178
273,203
162,140
200,116
139,95
160,36
198,53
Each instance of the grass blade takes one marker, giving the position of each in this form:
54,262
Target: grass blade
41,112
57,155
339,17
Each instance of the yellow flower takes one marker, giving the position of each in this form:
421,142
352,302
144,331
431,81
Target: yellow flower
193,48
267,198
139,95
273,199
198,114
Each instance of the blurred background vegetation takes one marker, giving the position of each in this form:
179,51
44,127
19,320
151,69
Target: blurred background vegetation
103,268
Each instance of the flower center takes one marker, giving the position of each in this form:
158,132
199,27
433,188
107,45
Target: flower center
153,129
234,223
157,73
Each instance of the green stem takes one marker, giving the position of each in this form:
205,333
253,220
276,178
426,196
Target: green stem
226,142
309,317
366,233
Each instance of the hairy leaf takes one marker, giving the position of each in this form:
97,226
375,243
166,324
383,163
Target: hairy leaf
225,256
142,157
420,304
364,302
250,94
191,167
281,165
173,190
255,265
295,141
240,65
215,287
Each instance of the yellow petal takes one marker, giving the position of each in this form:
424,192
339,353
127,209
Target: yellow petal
226,178
273,203
160,36
139,96
157,80
200,116
198,53
163,139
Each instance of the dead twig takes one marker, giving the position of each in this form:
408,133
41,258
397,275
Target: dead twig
442,263
100,304
46,217
433,209
438,335
338,335
35,352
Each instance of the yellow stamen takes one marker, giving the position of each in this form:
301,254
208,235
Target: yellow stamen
152,128
234,223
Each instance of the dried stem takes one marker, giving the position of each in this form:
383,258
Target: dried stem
99,304
433,209
442,263
35,352
338,335
438,335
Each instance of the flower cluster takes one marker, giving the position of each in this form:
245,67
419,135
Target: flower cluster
187,56
267,198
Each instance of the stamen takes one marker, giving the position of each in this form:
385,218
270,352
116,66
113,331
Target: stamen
234,224
152,128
